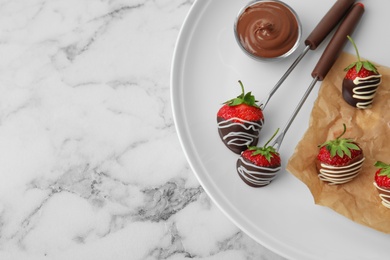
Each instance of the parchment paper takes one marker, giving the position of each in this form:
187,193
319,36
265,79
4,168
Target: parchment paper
357,200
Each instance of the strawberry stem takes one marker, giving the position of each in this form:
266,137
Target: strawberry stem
272,137
345,129
242,88
354,46
243,98
267,151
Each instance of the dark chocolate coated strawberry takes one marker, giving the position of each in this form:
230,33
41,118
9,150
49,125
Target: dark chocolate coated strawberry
240,121
360,82
382,182
339,160
258,166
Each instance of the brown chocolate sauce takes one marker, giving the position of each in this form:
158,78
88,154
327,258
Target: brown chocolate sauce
268,29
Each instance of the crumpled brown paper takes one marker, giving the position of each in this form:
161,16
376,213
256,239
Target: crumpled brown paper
357,200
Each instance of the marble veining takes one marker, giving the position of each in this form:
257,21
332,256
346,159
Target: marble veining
90,163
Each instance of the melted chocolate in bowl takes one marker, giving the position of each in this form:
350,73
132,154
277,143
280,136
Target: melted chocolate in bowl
268,29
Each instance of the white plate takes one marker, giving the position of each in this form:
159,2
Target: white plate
206,68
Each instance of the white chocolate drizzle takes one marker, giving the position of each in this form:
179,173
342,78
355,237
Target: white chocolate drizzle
366,89
384,197
241,138
258,177
340,174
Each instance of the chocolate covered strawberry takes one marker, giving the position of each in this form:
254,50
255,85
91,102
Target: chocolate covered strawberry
258,166
382,182
360,82
339,160
240,121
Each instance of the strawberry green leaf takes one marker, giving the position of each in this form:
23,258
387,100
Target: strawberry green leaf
247,98
380,164
350,66
344,149
236,102
359,66
351,146
370,67
266,151
340,146
385,172
340,151
385,168
332,149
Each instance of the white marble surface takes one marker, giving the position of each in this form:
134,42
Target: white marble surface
90,163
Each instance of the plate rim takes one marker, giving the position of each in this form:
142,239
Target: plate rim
260,236
219,200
